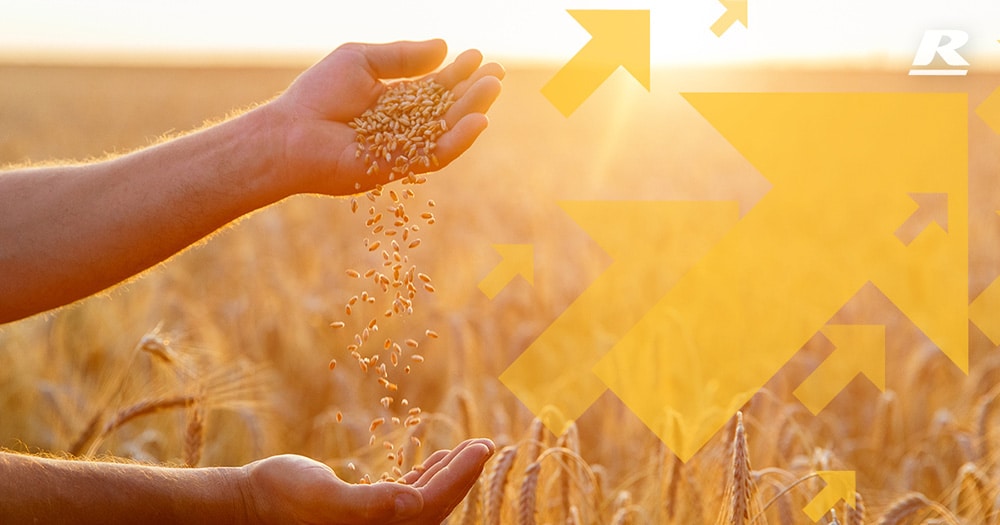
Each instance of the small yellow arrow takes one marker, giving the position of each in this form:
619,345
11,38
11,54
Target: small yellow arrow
931,208
859,349
984,308
840,485
989,110
619,38
736,11
518,259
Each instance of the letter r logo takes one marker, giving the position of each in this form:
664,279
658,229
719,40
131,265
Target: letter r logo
945,44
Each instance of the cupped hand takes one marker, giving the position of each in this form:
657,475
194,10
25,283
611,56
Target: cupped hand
317,151
290,489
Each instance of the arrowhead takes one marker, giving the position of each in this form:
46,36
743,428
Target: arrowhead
840,485
983,311
620,38
989,110
931,208
860,348
519,259
738,8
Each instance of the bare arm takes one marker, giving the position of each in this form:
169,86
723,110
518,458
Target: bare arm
286,490
37,490
67,232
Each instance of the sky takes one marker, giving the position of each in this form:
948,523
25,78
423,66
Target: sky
878,32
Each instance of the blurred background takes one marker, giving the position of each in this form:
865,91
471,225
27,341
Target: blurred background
220,355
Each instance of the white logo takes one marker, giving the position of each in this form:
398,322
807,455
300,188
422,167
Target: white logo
943,43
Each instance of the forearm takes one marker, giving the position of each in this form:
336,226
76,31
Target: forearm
38,490
70,231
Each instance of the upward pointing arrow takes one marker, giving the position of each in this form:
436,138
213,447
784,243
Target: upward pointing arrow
840,485
841,166
619,38
859,349
736,11
931,208
556,369
518,259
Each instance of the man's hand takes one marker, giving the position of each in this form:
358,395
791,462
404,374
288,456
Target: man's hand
291,489
313,114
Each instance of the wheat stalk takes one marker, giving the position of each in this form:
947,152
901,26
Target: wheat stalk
855,515
194,435
496,482
528,493
741,492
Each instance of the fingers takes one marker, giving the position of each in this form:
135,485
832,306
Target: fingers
477,99
452,457
460,138
464,65
404,58
453,476
413,475
487,70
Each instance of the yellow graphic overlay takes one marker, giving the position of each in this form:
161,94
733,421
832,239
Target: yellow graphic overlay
672,236
736,11
860,349
518,259
840,485
619,38
736,307
983,310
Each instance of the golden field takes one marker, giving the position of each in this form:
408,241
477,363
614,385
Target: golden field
220,355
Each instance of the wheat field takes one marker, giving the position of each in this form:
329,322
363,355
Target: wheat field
220,355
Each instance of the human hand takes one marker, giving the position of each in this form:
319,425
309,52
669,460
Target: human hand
292,489
316,145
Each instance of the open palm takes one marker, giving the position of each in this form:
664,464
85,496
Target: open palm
292,489
319,146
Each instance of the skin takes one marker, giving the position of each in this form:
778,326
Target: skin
67,232
286,489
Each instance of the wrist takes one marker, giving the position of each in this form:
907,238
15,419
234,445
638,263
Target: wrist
236,483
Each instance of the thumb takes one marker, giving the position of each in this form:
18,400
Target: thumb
384,502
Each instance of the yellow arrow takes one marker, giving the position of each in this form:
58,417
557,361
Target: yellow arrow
518,259
840,485
989,110
842,166
931,208
651,245
736,11
984,311
859,349
619,38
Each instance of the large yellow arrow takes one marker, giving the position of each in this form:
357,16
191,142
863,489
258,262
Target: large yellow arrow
842,166
984,311
859,349
518,259
989,110
651,244
736,11
619,38
840,485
